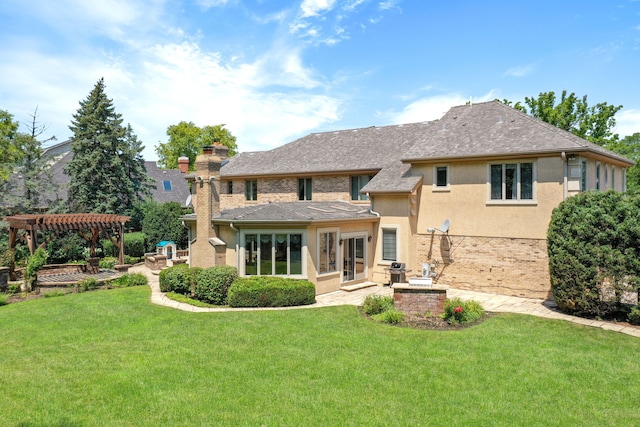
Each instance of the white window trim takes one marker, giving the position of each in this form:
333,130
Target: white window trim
396,228
242,248
435,186
518,202
328,230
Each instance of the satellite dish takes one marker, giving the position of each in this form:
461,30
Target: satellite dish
445,226
188,202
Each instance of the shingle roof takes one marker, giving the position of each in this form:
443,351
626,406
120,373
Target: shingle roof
179,191
353,150
495,129
465,132
302,211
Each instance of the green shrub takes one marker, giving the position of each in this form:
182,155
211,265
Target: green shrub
270,291
634,315
176,279
34,264
129,279
390,316
593,244
212,284
134,246
376,304
458,311
87,284
108,262
66,246
130,259
4,299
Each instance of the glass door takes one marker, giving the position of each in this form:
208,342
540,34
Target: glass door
353,258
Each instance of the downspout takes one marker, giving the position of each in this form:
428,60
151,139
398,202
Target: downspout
565,173
233,227
371,208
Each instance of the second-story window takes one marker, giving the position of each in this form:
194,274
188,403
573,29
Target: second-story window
304,189
357,182
229,187
251,189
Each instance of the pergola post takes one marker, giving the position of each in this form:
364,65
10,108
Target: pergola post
121,242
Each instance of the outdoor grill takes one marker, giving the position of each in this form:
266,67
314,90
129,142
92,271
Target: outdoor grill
398,271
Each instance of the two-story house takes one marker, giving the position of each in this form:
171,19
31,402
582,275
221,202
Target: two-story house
469,195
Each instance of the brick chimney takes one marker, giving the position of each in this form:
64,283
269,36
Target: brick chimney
207,193
183,164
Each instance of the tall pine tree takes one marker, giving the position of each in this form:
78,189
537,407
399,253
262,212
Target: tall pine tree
107,170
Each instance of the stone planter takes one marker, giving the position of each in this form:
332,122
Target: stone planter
419,300
122,268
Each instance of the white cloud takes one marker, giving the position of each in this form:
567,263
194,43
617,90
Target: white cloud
310,8
628,122
432,107
207,4
520,71
163,76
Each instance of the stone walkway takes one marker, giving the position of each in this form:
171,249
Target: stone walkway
490,302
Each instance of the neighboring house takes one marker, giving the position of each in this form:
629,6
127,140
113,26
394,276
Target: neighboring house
337,208
169,185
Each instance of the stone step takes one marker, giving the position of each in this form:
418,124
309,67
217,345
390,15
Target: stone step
357,286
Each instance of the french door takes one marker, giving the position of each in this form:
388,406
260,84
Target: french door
353,258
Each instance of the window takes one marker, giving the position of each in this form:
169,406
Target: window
613,177
357,182
512,181
166,185
251,189
304,189
229,187
327,252
389,244
597,176
441,178
583,176
273,254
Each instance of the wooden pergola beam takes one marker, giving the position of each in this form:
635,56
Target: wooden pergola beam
93,222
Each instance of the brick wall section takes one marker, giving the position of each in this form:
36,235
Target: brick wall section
517,267
324,188
422,301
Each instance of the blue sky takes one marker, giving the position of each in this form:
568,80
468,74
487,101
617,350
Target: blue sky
275,70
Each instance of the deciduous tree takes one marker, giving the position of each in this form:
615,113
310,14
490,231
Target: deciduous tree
9,151
187,139
573,114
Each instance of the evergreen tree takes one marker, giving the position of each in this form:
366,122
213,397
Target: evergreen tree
107,171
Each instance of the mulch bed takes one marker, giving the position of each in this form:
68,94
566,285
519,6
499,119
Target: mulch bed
437,323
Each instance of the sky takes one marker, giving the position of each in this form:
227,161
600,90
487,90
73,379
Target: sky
275,70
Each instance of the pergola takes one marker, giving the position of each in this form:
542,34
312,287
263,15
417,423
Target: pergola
88,225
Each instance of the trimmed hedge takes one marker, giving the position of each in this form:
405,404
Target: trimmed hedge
270,291
211,285
176,279
594,252
134,245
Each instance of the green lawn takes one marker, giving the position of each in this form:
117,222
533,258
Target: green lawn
111,358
